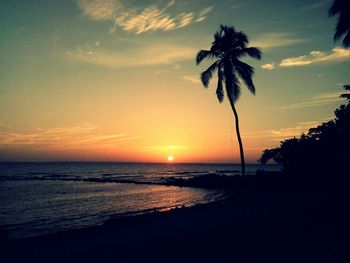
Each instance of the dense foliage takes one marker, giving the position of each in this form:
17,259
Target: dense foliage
324,150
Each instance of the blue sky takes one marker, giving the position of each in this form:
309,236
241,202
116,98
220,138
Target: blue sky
116,80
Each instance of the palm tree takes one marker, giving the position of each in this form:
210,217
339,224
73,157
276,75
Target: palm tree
227,48
341,8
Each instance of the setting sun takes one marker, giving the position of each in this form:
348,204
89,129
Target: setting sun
170,158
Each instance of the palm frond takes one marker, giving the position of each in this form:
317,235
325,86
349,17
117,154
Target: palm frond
335,8
253,52
217,37
246,73
220,90
208,74
342,9
203,54
341,28
225,29
236,91
219,42
346,40
233,89
241,38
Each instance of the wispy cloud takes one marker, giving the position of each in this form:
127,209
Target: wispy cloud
192,78
318,4
100,10
316,56
273,40
150,19
236,6
300,128
285,132
203,14
148,55
4,125
52,113
139,20
318,100
165,148
268,66
63,137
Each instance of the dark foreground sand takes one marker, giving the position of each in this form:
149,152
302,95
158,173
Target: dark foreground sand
249,227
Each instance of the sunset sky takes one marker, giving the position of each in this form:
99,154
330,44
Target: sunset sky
117,81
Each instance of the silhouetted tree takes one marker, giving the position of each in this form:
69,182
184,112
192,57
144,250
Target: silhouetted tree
323,151
342,9
228,47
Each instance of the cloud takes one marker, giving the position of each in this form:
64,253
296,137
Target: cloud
318,100
192,78
4,125
329,95
268,66
51,113
273,40
285,132
203,14
236,6
100,10
148,55
300,128
138,20
61,137
336,54
151,19
184,19
295,61
318,4
314,57
165,148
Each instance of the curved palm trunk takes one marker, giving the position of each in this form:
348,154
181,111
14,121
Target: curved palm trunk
238,137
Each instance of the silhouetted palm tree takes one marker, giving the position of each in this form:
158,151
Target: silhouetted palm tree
342,9
346,95
228,47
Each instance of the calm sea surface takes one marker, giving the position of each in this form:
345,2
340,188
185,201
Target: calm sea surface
42,198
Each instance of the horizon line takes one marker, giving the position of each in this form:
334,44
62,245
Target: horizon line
129,162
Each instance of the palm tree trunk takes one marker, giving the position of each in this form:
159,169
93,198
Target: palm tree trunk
238,137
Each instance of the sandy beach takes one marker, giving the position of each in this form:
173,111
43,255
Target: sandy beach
256,226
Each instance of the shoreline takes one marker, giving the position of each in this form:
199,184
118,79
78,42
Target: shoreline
123,218
268,218
40,248
250,226
222,184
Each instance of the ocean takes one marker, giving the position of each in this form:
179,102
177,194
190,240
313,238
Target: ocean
45,198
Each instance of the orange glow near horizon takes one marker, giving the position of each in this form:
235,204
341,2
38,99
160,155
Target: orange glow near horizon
91,143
